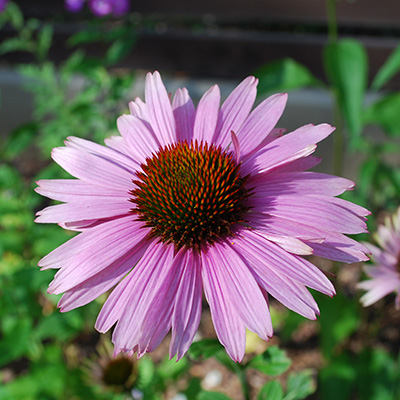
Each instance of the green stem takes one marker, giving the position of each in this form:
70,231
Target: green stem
241,373
337,138
332,20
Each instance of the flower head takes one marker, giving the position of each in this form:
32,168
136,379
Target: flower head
385,274
100,8
188,200
3,4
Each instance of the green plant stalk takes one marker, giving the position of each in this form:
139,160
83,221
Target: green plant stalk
337,138
337,115
332,21
241,374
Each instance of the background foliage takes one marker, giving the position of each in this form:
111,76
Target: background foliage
48,355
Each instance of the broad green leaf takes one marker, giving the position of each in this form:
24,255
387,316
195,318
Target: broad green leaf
385,113
346,67
20,139
272,362
284,75
272,390
300,385
212,396
388,70
339,319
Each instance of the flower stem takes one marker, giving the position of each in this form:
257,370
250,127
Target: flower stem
337,116
241,373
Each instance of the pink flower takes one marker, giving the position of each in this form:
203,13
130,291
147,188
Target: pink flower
385,275
100,8
188,200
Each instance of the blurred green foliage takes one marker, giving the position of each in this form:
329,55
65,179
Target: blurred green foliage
42,351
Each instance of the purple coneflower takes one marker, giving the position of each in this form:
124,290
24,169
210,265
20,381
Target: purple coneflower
3,4
385,275
188,200
100,8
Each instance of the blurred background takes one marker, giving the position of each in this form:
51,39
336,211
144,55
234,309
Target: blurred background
70,68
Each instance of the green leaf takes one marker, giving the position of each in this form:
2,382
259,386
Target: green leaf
44,39
120,49
388,70
284,75
205,348
385,113
212,396
172,369
15,44
272,362
272,390
300,385
339,319
20,139
15,15
346,67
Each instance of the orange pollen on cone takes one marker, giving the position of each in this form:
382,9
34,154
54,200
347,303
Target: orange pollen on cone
190,194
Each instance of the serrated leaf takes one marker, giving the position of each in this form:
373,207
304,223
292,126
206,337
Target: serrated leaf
272,390
385,113
299,385
346,67
284,75
272,362
212,396
388,70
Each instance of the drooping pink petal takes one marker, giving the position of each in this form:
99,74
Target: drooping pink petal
128,331
98,284
285,263
187,308
115,238
228,325
235,279
286,290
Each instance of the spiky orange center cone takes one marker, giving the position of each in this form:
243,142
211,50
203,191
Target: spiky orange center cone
190,194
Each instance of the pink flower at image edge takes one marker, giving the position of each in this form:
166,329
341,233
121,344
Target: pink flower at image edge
188,200
385,273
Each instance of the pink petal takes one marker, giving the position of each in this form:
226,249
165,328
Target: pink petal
235,110
187,308
149,278
115,239
160,110
300,183
290,147
76,190
92,169
290,293
141,142
84,210
184,113
207,115
259,125
228,325
98,284
285,263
